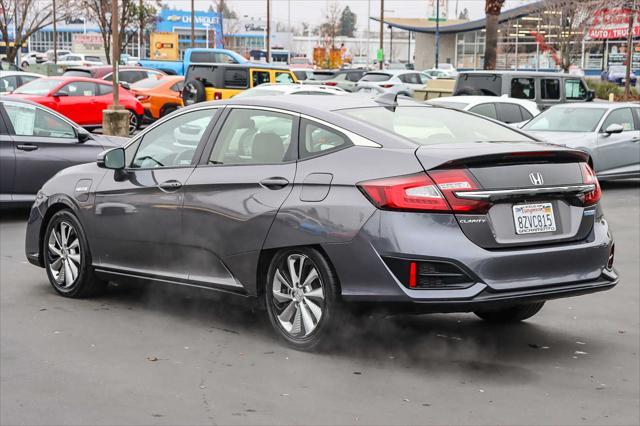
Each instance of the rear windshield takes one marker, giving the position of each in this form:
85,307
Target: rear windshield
77,73
566,120
38,87
375,77
93,58
323,75
204,73
147,83
487,84
429,126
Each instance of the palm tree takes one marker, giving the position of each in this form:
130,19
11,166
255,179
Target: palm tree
492,10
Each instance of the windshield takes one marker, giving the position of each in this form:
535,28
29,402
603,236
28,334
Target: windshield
430,126
618,69
39,87
375,77
147,83
566,120
487,84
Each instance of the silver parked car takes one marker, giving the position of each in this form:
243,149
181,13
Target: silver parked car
608,132
402,82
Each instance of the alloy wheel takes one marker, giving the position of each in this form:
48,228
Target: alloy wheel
133,122
64,255
297,295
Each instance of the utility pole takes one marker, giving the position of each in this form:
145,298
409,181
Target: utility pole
381,51
437,33
193,24
632,18
268,40
115,50
141,30
368,32
55,34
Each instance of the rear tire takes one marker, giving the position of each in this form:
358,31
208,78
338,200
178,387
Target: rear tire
168,110
134,122
511,314
67,258
194,92
302,298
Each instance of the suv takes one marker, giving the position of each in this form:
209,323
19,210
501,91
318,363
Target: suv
543,88
345,79
212,82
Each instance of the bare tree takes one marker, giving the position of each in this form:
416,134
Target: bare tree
22,18
330,28
492,9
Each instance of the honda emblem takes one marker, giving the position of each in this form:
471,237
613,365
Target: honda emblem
536,178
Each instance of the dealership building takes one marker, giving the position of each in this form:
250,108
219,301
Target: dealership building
527,37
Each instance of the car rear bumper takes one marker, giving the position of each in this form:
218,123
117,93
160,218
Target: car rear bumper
509,276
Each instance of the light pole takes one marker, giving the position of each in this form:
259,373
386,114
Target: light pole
55,34
437,33
115,119
268,40
193,24
206,34
380,55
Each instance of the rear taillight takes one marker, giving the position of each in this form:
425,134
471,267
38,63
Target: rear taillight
217,96
413,192
330,83
451,181
589,177
386,86
433,192
142,98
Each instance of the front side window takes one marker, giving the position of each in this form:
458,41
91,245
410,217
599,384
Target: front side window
260,77
79,88
523,88
173,143
316,139
429,126
575,90
550,88
29,120
486,110
622,116
8,83
283,77
253,137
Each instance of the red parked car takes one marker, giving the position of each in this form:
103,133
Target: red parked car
80,99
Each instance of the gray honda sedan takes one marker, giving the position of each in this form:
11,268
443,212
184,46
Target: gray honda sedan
318,204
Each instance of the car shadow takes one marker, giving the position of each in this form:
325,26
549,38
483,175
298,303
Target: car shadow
620,184
436,343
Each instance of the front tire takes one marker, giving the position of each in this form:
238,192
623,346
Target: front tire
134,122
68,259
302,299
511,314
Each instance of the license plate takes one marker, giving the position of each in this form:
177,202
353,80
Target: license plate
534,218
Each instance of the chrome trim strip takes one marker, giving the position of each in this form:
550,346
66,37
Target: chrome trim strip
508,193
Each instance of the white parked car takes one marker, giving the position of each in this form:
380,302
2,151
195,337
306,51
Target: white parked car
80,60
401,82
275,89
11,80
32,58
508,110
436,73
448,68
61,53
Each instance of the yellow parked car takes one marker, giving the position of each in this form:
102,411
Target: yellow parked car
211,82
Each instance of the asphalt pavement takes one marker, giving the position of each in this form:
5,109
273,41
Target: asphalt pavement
155,354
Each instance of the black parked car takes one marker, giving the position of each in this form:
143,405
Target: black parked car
36,143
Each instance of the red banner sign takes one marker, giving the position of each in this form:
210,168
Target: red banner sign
612,24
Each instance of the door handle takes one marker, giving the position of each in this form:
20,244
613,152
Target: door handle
274,183
27,147
635,139
170,185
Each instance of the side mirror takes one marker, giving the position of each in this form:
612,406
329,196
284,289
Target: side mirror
125,85
614,128
83,134
112,159
591,95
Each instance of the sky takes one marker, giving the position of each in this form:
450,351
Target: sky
313,11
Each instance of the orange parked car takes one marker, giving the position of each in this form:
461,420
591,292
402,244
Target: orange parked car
159,95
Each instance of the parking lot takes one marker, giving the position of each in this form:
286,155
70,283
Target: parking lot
161,355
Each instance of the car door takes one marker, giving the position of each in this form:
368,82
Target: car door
618,152
44,144
232,197
77,101
137,211
7,159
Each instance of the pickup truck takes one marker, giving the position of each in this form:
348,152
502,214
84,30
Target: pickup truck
194,56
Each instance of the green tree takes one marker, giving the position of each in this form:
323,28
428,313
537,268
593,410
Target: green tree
347,22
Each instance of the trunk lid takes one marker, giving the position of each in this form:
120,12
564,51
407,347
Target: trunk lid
533,191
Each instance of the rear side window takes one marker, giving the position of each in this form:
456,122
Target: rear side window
105,89
486,84
523,88
316,139
526,115
510,113
376,77
236,78
550,88
259,77
487,110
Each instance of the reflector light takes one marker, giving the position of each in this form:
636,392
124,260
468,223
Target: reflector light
589,177
412,274
330,83
217,96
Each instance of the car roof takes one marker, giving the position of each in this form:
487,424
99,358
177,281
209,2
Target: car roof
288,88
9,73
244,65
392,72
520,73
588,105
63,78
